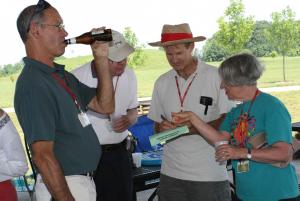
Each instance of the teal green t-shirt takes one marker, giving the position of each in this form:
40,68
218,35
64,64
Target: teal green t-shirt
264,182
46,112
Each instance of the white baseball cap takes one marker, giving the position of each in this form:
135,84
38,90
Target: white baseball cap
119,49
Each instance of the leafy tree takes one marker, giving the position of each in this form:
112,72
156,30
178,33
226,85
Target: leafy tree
296,50
138,57
283,33
212,51
235,30
258,43
9,69
197,52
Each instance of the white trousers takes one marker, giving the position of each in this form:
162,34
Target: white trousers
81,187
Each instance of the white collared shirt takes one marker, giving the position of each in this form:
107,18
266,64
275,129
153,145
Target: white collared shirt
125,99
13,161
190,157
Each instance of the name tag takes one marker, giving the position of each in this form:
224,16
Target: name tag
243,166
84,120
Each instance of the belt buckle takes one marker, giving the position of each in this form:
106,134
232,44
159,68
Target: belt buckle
90,174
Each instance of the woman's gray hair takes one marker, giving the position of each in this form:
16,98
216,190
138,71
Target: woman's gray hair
241,69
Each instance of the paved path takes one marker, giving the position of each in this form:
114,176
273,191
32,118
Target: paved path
9,110
279,89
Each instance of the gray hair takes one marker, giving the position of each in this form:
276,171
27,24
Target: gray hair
241,69
25,18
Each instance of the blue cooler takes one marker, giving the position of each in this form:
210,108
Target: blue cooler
152,158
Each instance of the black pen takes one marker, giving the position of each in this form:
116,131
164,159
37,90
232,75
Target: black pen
163,118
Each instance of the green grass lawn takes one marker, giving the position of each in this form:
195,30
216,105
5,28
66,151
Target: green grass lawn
273,75
156,64
291,101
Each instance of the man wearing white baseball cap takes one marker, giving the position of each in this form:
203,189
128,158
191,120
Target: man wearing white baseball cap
113,178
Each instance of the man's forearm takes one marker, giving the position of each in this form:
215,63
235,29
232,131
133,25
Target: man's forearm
104,101
132,115
54,179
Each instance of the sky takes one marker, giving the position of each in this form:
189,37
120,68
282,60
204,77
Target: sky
145,18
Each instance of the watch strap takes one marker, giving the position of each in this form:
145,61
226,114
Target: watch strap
249,155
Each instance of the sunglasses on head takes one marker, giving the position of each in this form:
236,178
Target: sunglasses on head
39,8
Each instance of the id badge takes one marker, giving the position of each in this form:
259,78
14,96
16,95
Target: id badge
243,166
84,120
108,126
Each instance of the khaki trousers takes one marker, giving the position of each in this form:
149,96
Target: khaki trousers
81,187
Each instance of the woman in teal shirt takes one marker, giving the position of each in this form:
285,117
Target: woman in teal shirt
262,173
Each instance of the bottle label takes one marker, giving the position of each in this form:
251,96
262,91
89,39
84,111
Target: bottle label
97,32
72,40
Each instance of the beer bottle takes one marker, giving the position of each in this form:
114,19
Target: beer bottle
89,37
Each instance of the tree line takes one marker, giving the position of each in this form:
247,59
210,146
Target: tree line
10,69
238,33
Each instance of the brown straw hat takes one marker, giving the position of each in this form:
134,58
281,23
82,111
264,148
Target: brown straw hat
176,34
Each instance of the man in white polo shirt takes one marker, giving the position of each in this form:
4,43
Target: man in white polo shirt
113,178
189,170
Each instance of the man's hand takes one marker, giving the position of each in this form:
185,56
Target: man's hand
164,125
121,124
104,101
99,48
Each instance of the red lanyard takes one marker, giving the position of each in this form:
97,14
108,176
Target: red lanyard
241,131
185,93
62,83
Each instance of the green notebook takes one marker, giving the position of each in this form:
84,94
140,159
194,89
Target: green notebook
161,138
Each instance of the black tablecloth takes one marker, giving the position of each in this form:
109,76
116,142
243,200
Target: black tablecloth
146,177
296,126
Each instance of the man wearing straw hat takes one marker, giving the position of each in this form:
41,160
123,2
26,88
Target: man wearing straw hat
189,170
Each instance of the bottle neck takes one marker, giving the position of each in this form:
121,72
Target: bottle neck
70,41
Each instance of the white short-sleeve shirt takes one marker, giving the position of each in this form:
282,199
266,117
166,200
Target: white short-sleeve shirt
125,98
12,156
190,157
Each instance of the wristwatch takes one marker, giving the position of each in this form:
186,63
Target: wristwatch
249,156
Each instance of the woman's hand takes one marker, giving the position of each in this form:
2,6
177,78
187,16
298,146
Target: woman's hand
184,118
227,152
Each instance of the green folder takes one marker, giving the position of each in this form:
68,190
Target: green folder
161,138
